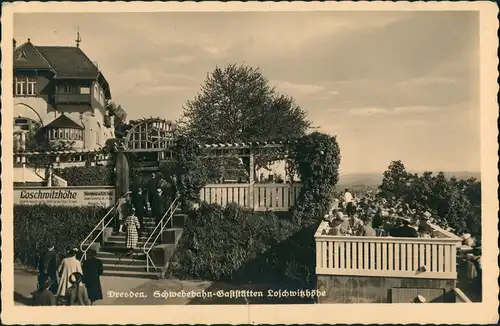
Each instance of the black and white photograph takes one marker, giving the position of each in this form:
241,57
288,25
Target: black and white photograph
237,157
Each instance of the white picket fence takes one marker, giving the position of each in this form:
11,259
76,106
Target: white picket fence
266,196
385,256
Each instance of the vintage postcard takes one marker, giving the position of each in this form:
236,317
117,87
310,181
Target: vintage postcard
249,163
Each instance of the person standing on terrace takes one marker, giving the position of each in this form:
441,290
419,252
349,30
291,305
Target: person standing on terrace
348,202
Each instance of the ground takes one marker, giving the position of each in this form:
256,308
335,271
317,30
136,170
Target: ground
25,283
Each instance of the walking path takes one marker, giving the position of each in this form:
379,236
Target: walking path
136,291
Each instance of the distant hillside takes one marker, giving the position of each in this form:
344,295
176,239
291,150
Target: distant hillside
374,179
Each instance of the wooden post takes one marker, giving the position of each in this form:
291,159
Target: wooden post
251,200
122,173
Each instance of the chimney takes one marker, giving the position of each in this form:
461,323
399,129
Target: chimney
96,64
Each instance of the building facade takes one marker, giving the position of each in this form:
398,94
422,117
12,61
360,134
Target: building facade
60,95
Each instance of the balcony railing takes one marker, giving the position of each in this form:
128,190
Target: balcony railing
69,98
433,258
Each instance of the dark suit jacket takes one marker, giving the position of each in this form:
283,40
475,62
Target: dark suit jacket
140,203
159,206
404,232
92,270
44,298
48,266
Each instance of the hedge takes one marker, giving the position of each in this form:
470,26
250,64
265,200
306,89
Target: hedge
36,225
88,175
236,244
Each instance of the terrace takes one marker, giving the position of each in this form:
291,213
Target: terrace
388,265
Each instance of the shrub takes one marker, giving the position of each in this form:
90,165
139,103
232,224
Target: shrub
235,244
36,225
88,176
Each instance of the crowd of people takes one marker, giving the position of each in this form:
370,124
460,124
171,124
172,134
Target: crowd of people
372,216
157,196
68,282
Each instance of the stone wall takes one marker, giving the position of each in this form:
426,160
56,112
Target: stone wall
367,289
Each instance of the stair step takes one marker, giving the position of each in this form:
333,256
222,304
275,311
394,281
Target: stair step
139,261
148,275
121,243
127,268
118,250
122,238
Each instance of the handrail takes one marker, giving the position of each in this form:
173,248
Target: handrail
103,226
161,225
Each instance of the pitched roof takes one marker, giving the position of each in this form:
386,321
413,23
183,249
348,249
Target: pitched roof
26,56
69,61
63,122
63,61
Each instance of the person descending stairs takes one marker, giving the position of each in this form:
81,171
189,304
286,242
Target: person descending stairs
120,257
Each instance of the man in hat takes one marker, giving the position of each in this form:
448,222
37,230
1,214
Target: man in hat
48,267
152,185
43,296
159,206
140,205
403,229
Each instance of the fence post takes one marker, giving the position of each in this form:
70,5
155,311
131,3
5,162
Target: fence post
102,233
251,197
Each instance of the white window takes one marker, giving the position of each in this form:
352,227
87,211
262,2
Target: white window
20,86
31,87
84,90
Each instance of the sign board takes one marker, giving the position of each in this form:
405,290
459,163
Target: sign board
65,196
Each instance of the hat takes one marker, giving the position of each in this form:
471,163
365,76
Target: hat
419,299
75,278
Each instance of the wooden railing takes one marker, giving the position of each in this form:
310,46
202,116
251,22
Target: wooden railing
385,256
269,196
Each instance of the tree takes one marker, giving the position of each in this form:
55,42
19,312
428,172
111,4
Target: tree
455,203
237,104
119,116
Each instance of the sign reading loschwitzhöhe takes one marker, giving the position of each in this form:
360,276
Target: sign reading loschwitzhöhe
65,196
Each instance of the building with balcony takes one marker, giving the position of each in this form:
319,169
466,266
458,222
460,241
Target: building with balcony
59,94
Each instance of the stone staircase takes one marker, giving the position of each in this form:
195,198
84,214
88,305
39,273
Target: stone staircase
113,252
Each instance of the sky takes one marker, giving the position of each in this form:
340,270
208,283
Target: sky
392,85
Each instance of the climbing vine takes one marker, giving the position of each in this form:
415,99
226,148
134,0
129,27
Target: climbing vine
316,159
